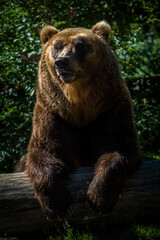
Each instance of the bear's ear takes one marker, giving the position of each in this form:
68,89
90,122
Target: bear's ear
102,29
47,32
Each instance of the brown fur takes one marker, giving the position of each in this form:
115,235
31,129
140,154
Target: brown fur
83,117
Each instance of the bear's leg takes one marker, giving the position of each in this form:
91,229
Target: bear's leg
109,177
47,175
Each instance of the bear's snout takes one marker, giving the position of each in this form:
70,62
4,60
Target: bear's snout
61,63
65,69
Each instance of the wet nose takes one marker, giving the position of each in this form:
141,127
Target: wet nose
61,62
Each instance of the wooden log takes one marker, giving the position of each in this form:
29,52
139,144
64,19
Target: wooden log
20,212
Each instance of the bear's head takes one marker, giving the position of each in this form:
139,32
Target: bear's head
79,75
75,53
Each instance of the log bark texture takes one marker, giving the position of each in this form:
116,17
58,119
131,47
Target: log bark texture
139,202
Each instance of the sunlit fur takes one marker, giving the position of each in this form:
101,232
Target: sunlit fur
98,88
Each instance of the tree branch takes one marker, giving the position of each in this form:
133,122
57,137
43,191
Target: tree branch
20,212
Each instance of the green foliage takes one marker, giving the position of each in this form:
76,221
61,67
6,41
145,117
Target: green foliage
138,52
70,233
20,51
147,232
138,232
147,114
139,57
134,38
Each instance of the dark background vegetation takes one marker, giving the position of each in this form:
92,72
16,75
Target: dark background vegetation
135,39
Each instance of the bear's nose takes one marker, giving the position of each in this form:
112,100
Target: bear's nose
61,62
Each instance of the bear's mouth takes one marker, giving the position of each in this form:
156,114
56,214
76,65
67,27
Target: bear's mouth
67,76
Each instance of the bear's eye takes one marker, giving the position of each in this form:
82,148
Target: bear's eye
83,49
80,46
58,45
56,48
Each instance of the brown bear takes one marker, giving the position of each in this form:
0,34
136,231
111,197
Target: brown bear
83,117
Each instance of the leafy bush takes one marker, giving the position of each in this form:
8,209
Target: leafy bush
138,232
138,53
134,38
20,50
139,58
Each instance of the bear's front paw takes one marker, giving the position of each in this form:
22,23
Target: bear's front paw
101,197
57,205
